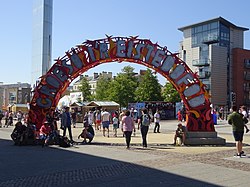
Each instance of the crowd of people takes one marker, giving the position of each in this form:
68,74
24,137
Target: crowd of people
9,117
128,121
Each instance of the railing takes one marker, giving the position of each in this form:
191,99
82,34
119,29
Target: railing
201,62
211,39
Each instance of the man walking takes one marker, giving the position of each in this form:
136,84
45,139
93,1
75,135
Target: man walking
66,123
236,120
157,121
105,117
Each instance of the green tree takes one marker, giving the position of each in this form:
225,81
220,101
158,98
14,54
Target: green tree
122,88
170,94
149,88
102,89
85,89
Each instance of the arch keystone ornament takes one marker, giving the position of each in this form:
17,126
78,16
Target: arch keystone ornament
92,53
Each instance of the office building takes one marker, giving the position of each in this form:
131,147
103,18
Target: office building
207,48
11,94
41,39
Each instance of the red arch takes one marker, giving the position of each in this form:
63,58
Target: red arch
130,49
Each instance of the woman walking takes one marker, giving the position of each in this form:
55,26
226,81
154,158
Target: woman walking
127,127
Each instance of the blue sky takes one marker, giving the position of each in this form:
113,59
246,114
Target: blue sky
75,21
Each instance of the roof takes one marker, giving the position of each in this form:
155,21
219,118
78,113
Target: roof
77,104
220,19
103,103
21,105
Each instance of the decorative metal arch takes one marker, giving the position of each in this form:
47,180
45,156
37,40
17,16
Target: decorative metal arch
118,49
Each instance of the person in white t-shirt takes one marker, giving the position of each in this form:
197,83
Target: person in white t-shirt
243,111
157,122
105,117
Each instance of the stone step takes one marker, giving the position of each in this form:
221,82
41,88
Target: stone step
205,141
201,134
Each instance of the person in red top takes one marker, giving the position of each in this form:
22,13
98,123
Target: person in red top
45,132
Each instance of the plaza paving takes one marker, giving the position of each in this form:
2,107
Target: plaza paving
106,162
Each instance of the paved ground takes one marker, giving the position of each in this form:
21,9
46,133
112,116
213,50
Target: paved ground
106,162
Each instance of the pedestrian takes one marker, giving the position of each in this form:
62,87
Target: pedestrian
115,124
157,121
105,121
236,120
120,119
6,117
73,117
19,115
98,120
1,117
90,117
10,119
243,111
66,123
183,112
144,122
127,127
179,115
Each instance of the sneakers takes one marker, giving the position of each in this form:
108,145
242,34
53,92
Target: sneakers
237,156
240,155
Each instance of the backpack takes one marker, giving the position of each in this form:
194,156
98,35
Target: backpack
145,120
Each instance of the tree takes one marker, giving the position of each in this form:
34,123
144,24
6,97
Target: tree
85,89
122,88
149,88
170,94
102,89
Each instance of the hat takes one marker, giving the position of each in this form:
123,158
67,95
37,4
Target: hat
179,124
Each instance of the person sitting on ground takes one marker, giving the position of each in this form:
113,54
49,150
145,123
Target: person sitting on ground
180,133
85,128
18,134
45,132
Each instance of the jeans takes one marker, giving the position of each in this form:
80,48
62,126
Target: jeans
70,132
157,126
144,132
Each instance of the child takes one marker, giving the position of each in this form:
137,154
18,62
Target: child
115,125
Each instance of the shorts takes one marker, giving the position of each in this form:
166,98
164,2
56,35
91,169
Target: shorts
105,124
238,136
115,126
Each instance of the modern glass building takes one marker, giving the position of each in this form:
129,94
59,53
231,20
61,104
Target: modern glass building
207,49
41,39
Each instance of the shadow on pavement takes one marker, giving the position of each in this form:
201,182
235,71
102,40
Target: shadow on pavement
53,166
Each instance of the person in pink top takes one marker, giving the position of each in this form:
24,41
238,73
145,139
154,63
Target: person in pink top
127,127
45,132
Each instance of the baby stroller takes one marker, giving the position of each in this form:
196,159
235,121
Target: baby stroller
89,134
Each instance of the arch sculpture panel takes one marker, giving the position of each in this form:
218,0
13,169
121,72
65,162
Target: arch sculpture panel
119,49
